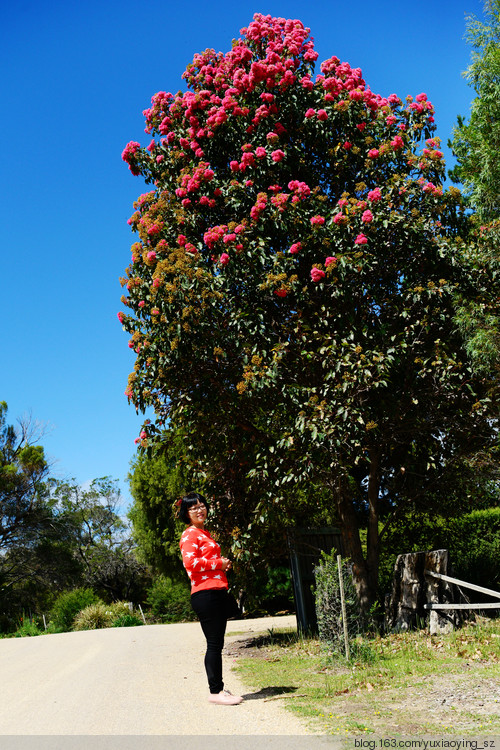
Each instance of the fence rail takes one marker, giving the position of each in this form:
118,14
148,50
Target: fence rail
466,585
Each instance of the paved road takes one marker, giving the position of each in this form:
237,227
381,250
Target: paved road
130,681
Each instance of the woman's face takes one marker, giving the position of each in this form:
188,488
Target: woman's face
197,515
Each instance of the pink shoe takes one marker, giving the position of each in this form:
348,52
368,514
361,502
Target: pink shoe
225,698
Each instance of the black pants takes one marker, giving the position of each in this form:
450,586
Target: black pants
211,607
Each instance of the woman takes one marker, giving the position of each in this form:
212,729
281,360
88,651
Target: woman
207,572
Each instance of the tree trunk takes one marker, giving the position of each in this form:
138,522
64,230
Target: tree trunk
365,571
349,527
411,589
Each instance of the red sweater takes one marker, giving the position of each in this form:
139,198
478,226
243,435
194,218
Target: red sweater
202,559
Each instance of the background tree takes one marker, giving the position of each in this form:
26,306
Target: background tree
476,143
23,475
99,538
292,294
156,483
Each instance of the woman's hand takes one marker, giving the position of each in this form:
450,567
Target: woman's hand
226,563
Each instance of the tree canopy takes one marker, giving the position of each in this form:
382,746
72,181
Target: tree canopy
292,292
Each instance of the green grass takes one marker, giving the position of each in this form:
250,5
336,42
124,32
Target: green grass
401,684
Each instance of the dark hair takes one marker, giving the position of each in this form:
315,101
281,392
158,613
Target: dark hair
187,502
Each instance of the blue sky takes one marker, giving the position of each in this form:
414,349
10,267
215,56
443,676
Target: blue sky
76,79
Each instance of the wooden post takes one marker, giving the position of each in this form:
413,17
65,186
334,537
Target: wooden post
344,614
142,614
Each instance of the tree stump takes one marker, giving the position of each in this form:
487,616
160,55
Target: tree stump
411,589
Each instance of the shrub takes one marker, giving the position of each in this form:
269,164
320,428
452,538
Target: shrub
169,601
328,603
127,621
68,605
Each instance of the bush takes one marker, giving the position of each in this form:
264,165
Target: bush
474,544
169,601
68,605
328,603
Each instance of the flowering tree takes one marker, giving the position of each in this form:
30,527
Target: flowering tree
291,292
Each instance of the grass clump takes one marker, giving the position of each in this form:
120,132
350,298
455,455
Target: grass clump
93,617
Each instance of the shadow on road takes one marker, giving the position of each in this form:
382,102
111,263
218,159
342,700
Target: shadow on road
275,691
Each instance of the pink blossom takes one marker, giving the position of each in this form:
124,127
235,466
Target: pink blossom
374,195
329,260
121,317
397,143
272,137
155,311
338,219
151,255
295,248
367,216
141,303
373,153
317,220
361,126
421,97
224,259
130,149
156,283
361,239
347,145
310,112
277,155
260,152
317,274
234,165
322,114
